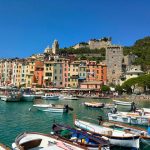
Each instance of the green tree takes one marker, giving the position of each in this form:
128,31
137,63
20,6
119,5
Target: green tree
119,89
105,88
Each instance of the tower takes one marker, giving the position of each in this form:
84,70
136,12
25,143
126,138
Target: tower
55,47
114,57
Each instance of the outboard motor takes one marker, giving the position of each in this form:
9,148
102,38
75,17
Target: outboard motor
100,119
66,107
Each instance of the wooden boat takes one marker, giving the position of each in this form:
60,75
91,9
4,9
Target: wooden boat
50,97
80,138
117,102
116,137
52,107
39,141
129,117
4,147
94,104
144,135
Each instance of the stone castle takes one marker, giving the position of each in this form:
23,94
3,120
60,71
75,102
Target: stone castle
95,43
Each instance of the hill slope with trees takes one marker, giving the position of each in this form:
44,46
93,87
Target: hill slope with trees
141,49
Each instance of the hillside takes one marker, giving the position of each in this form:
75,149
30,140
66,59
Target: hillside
141,48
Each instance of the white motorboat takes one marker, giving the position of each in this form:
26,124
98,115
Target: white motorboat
124,103
11,97
52,107
68,97
28,97
116,137
94,104
50,97
129,117
39,141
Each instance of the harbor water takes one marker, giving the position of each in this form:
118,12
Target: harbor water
18,117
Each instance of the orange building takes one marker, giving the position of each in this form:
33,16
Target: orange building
96,75
38,74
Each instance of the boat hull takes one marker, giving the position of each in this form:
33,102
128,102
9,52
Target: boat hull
141,120
122,103
10,98
50,108
123,141
28,98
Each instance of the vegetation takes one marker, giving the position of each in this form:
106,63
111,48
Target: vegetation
141,49
105,88
141,81
84,50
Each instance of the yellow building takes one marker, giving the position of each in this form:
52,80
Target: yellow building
73,74
29,70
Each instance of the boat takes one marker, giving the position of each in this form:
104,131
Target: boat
28,97
94,104
39,141
68,97
109,106
52,107
4,147
11,97
50,97
144,111
80,138
144,134
135,118
10,94
116,137
124,103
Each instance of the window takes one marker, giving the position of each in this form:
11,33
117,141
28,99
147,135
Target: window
55,77
48,74
113,72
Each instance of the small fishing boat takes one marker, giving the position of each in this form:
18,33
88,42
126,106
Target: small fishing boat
94,104
80,138
129,117
52,107
116,137
4,147
68,97
39,141
144,135
117,102
50,97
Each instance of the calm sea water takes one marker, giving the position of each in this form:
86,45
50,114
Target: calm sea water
16,118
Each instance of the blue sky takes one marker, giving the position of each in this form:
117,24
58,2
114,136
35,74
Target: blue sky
28,26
